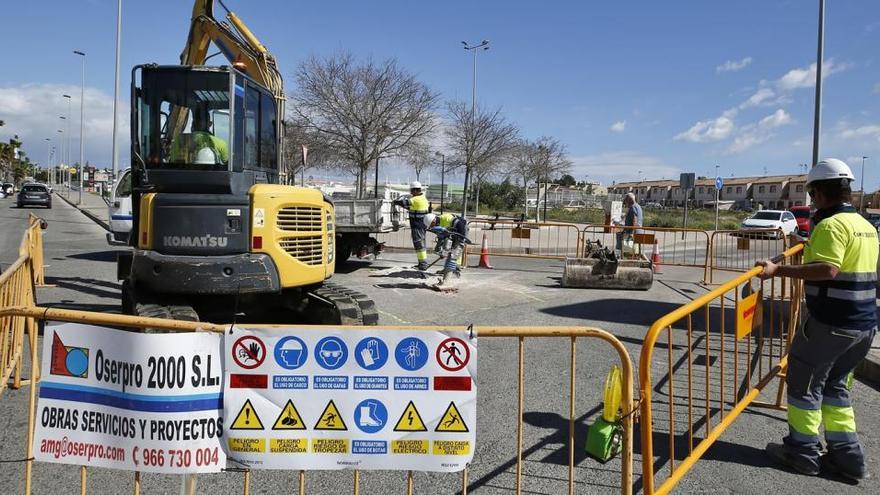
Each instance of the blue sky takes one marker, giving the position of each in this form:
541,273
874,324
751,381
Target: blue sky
628,86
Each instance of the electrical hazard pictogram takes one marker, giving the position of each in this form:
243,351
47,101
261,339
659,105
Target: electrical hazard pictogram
410,420
451,422
289,419
247,418
331,419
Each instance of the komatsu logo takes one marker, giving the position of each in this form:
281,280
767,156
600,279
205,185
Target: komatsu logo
206,240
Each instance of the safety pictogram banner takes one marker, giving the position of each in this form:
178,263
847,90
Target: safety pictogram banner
126,400
350,399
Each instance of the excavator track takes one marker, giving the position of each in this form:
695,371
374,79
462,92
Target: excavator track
344,306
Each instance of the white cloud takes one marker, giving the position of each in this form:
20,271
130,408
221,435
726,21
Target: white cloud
734,65
866,131
877,89
806,77
751,135
618,126
709,130
32,112
617,166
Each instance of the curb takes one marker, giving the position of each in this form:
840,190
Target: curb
869,369
87,213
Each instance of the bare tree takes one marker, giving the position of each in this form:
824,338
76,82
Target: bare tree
297,135
420,156
479,141
362,111
539,160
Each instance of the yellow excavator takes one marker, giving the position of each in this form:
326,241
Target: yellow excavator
215,234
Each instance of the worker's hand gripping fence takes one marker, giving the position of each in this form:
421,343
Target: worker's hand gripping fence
506,238
436,484
739,250
721,351
17,285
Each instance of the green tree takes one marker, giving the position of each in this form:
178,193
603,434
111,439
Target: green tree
566,180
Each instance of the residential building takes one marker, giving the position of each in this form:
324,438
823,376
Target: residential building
704,192
737,189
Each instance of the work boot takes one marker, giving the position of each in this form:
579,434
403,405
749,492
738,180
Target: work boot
780,454
853,474
422,266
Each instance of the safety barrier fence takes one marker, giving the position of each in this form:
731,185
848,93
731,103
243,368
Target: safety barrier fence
738,250
552,240
729,347
675,247
17,288
32,314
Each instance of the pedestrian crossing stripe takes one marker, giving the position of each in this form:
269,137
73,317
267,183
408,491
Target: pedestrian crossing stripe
331,419
289,419
410,420
247,418
451,422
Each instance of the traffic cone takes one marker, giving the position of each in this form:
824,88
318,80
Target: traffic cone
484,253
655,258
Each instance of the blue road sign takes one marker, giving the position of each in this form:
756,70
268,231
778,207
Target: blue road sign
719,182
411,353
291,352
331,353
370,416
371,353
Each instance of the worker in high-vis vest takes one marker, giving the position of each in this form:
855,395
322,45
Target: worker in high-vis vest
839,273
418,206
452,229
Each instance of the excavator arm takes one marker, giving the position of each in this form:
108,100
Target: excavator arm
239,45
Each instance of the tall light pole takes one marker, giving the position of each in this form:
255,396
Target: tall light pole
60,154
82,96
467,169
115,158
67,157
442,178
817,112
862,198
48,157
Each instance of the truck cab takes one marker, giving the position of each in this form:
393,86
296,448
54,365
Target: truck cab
119,210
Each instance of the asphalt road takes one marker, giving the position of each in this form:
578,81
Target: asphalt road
517,292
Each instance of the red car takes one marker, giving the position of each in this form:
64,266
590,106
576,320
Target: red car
802,215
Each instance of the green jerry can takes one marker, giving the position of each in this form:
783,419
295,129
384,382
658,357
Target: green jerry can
604,435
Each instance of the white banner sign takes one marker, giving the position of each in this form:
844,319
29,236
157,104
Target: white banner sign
392,400
126,400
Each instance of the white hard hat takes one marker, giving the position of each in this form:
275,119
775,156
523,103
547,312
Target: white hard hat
828,169
429,219
415,185
205,156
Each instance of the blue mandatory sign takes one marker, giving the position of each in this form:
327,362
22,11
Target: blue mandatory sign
371,353
411,354
331,353
291,353
719,182
370,416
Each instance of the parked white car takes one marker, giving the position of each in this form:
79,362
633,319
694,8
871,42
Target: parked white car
119,206
771,219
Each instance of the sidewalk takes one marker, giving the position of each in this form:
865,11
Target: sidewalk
93,206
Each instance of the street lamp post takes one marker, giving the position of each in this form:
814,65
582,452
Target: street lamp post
862,198
467,169
60,155
66,158
115,158
48,157
82,95
442,178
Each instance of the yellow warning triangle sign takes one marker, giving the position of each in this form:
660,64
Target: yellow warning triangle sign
330,419
289,419
451,422
410,420
247,418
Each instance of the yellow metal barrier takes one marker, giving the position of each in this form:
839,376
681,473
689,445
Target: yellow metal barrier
730,370
17,288
738,250
677,247
507,238
31,314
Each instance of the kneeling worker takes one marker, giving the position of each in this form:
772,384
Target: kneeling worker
418,206
839,274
